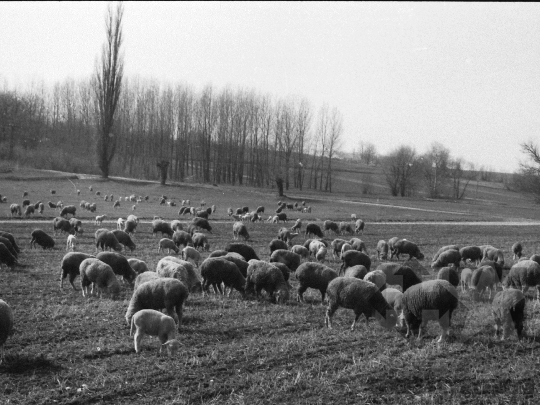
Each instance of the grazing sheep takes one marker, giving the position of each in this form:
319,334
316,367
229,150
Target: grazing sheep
176,225
345,248
124,239
120,223
472,253
394,298
313,229
161,226
106,239
99,219
285,234
144,277
358,244
262,275
182,238
6,257
495,255
6,325
359,226
522,275
181,270
11,239
42,239
376,277
217,270
15,209
446,258
320,256
200,241
9,247
465,279
119,264
202,224
299,250
130,227
449,274
353,258
534,258
391,243
290,259
356,272
345,227
154,323
360,296
444,249
330,226
63,225
191,253
68,209
41,208
70,265
236,259
260,209
162,293
71,242
94,271
285,271
280,217
201,214
382,250
404,246
246,251
313,275
297,225
315,246
138,265
482,278
399,274
430,300
76,224
168,244
239,229
517,249
52,205
497,267
508,309
276,244
337,246
25,203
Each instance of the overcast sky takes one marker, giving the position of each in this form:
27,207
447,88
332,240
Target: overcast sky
466,75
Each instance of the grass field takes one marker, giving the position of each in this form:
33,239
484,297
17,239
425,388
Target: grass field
70,349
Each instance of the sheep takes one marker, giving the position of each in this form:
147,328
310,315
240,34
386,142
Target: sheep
497,267
377,277
124,239
92,207
71,243
262,275
101,275
137,265
313,275
6,325
229,211
154,323
260,209
285,271
353,258
6,257
444,249
465,279
239,229
391,243
315,246
201,214
290,259
25,203
356,272
517,249
161,293
160,226
447,257
15,209
508,309
76,224
36,205
168,244
359,227
11,239
430,300
70,265
7,245
299,250
346,247
285,235
484,248
182,238
394,298
330,226
119,265
482,278
42,239
181,270
399,274
191,253
41,208
320,256
382,250
406,247
68,209
360,296
130,227
313,229
472,253
449,274
120,223
200,241
345,227
106,239
495,255
52,205
63,225
238,260
176,225
217,270
144,277
276,244
280,217
337,245
99,219
522,275
246,251
202,224
534,258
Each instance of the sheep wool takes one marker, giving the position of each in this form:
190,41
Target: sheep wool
524,274
154,323
215,271
314,275
288,258
101,275
508,309
262,275
6,325
70,266
144,277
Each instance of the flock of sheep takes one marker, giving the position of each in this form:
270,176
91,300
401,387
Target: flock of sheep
159,294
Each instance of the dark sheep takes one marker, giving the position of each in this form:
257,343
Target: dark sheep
353,258
124,239
42,239
446,258
6,257
241,264
290,259
7,243
200,241
336,246
397,274
239,211
36,205
444,249
130,227
159,225
68,209
245,210
404,246
330,226
314,275
202,214
281,217
70,266
239,229
522,275
11,239
262,275
284,270
246,251
63,225
472,253
534,258
517,249
25,203
202,224
76,224
276,244
119,264
449,274
217,270
260,209
496,266
106,240
182,238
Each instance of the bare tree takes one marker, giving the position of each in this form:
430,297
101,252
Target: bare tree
530,172
435,168
400,168
367,153
107,83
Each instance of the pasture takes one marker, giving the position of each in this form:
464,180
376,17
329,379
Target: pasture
71,349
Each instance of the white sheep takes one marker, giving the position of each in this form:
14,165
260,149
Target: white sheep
134,207
353,217
168,244
71,243
99,219
321,254
154,323
191,253
100,275
345,247
120,223
377,277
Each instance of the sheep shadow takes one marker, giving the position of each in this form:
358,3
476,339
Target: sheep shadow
17,364
108,353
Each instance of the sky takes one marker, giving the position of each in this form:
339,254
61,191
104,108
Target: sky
462,74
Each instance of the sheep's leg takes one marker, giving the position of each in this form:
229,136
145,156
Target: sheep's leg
329,313
137,340
301,291
179,315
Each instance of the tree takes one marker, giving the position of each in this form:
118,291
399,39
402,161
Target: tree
400,168
435,169
460,178
107,83
367,153
530,172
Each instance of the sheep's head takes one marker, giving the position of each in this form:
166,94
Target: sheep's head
171,346
389,321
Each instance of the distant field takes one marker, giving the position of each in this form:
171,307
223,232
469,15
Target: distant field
73,350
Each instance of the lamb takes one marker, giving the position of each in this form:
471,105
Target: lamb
215,271
300,250
406,247
42,239
290,259
124,239
71,243
239,229
191,253
360,296
356,272
120,223
517,249
353,258
106,239
202,224
321,254
99,219
176,225
63,225
130,227
376,277
276,244
6,325
70,265
162,293
313,275
359,226
345,227
154,323
382,250
522,275
199,240
395,300
6,257
168,244
398,274
246,251
94,271
137,265
11,239
449,274
144,277
430,300
160,226
444,249
472,253
447,257
495,255
508,309
262,275
313,229
15,209
465,279
119,265
68,209
182,238
330,226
